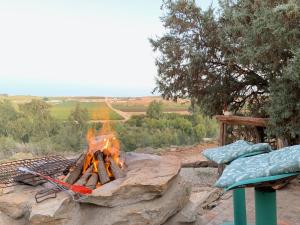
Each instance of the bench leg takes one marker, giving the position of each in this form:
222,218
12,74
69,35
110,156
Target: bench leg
239,207
265,206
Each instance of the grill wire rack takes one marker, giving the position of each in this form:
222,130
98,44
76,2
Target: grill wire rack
52,166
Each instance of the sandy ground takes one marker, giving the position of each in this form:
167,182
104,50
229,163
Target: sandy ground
220,210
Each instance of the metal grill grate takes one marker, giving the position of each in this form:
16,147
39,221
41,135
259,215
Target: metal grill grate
50,166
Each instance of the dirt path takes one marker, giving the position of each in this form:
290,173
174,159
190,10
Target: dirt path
190,156
124,114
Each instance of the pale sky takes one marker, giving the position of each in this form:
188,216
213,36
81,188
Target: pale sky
79,47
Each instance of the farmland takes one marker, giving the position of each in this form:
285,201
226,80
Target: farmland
102,108
141,104
96,110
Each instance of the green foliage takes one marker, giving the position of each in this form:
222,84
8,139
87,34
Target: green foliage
135,106
32,129
168,129
154,110
7,146
7,114
36,121
245,57
72,132
285,104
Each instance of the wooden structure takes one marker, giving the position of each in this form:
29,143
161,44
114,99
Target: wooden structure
265,187
258,123
239,200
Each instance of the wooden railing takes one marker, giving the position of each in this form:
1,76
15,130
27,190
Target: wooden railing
258,123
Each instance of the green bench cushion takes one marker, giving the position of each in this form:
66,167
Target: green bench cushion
283,161
228,153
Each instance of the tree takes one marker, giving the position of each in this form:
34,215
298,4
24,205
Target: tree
236,58
155,110
38,120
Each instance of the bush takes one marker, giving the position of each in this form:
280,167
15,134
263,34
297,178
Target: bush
168,129
7,147
155,110
33,131
200,131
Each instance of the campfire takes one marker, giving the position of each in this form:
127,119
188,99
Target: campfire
100,164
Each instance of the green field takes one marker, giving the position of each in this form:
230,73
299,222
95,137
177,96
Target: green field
138,107
125,107
97,110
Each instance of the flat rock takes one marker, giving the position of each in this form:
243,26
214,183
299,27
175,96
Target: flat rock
190,211
61,210
148,177
151,212
5,219
18,201
192,156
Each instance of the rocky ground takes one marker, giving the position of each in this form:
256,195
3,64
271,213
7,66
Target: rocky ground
288,207
216,208
171,196
190,156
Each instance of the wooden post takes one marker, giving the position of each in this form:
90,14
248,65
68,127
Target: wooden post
281,143
222,137
222,141
259,133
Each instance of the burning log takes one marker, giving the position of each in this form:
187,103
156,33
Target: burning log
76,172
103,176
92,181
115,169
85,177
100,164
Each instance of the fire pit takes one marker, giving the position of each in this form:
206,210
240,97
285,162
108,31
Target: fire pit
100,164
136,189
150,193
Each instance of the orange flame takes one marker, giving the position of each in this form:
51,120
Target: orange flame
104,141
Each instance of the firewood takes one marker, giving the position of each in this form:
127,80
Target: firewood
115,169
122,157
85,177
76,172
92,181
103,176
